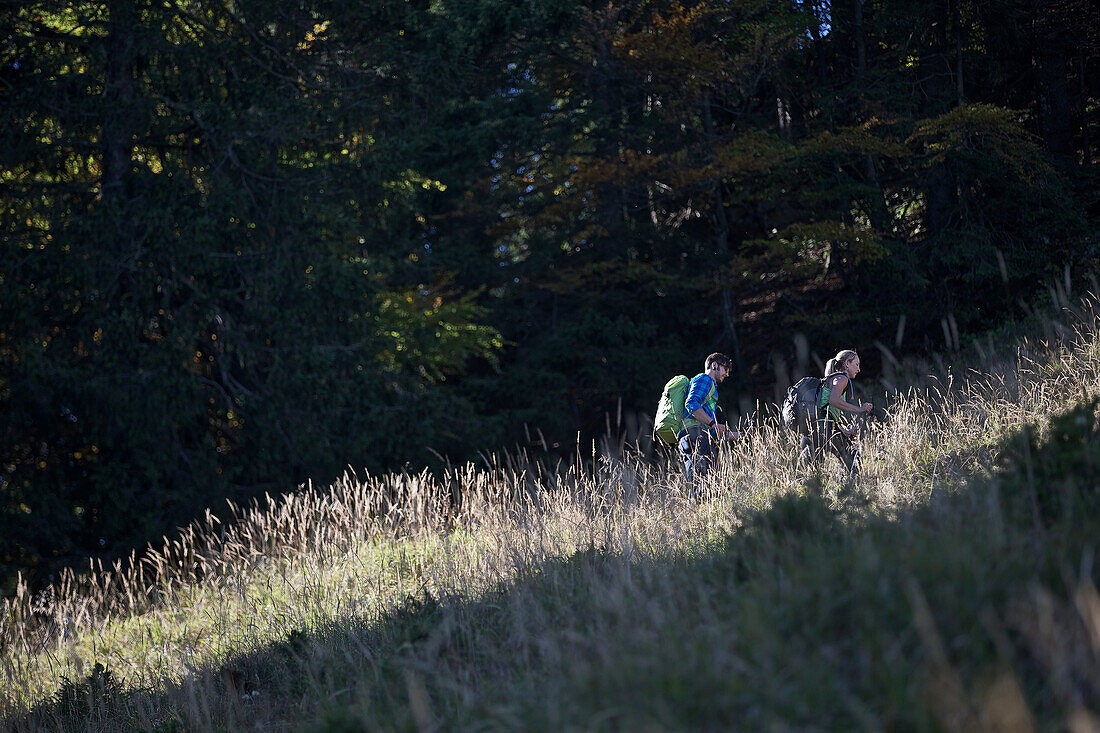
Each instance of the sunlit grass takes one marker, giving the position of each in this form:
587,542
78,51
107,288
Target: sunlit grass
594,593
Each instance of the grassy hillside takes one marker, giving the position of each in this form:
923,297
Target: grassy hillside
952,586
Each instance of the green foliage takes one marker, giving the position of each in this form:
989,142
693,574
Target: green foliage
1052,476
416,619
808,515
1007,206
237,308
99,698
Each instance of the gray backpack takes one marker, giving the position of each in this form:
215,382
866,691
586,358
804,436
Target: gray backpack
800,406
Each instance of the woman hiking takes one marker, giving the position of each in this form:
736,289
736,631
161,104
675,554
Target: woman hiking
826,429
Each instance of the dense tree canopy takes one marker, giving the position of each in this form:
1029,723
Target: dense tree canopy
244,243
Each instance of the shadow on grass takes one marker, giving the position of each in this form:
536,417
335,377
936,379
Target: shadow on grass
979,612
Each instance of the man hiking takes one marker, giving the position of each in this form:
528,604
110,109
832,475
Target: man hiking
698,440
826,429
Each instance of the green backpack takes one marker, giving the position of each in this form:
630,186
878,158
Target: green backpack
670,410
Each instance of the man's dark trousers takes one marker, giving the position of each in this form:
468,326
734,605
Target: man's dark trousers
697,451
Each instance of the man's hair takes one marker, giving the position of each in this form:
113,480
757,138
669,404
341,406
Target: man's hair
717,359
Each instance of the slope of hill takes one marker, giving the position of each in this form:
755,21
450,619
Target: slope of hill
952,586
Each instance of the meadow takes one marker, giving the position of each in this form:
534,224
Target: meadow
950,586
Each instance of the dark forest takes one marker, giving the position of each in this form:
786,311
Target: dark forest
245,244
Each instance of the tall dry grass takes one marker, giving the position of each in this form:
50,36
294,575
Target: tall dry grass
511,593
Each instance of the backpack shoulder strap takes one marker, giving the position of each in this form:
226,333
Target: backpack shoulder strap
850,388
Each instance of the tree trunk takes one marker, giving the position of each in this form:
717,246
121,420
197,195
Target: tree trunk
956,22
1086,158
939,95
604,88
118,99
819,49
1054,102
721,250
939,202
877,209
861,42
